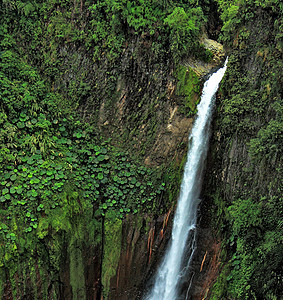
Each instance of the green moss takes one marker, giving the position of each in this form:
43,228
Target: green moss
188,87
32,276
112,249
147,226
44,283
77,278
72,222
173,179
42,229
12,269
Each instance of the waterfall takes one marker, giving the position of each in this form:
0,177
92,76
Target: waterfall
170,271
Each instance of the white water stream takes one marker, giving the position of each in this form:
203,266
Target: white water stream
170,271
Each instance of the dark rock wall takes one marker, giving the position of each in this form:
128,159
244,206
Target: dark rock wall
245,105
135,101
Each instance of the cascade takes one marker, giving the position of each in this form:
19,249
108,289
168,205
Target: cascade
171,270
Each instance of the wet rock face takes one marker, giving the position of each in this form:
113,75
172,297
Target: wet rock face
146,113
142,246
206,264
143,243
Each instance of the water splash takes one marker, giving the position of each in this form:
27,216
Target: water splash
170,271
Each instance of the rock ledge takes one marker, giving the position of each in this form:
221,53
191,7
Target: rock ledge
202,68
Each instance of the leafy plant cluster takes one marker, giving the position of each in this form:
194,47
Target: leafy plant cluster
82,48
102,27
257,237
235,13
252,235
178,24
51,161
251,116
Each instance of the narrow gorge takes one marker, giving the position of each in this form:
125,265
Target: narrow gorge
100,102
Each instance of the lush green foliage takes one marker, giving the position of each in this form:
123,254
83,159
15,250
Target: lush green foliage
257,236
235,13
112,249
102,27
184,28
268,141
58,176
54,169
250,205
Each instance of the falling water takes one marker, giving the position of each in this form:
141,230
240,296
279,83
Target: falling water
170,271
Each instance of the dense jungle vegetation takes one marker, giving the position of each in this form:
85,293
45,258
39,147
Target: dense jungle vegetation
61,175
249,117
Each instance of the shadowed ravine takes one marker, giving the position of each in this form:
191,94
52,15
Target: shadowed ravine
173,266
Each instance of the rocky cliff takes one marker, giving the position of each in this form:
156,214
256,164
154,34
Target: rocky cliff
239,231
103,115
105,95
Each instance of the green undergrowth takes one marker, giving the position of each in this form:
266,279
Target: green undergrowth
220,287
56,173
252,241
236,14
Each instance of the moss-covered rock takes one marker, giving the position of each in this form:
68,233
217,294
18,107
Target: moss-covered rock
112,247
242,191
